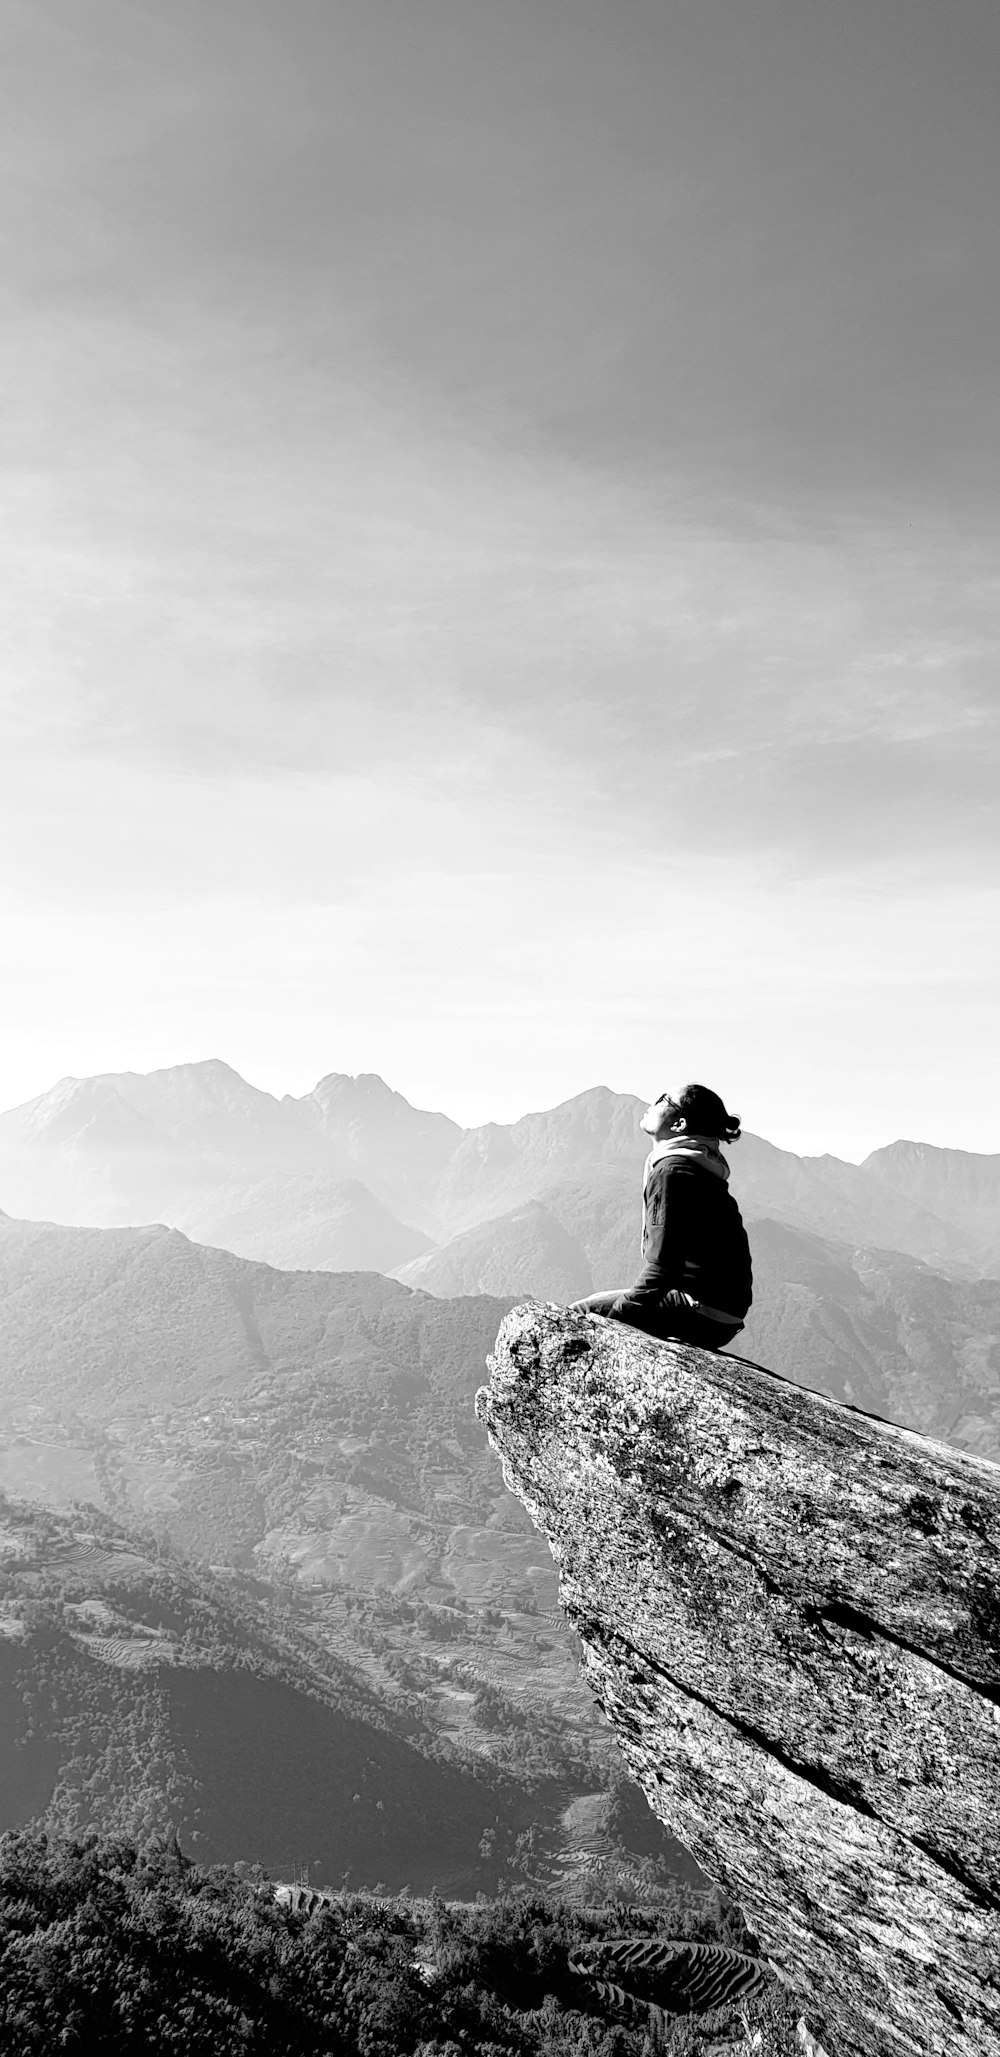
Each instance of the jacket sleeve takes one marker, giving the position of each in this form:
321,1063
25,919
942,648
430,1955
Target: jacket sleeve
664,1252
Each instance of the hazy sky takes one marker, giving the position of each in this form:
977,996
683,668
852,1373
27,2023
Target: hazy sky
501,550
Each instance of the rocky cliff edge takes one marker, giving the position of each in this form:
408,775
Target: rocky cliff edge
790,1612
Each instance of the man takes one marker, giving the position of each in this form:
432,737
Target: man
696,1283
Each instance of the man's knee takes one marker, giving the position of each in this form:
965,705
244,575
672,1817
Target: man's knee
595,1303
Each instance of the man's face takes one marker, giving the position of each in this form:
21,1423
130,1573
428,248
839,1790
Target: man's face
659,1117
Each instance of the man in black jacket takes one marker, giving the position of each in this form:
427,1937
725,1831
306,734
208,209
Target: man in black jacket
696,1283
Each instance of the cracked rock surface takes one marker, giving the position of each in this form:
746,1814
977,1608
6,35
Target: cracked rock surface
790,1612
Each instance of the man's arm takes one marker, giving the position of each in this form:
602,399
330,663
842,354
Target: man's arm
663,1269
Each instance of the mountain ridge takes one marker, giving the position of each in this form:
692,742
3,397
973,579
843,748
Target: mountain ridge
178,1144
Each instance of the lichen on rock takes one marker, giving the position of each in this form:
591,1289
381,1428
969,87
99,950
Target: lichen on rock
790,1612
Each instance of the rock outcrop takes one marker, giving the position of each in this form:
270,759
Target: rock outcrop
790,1612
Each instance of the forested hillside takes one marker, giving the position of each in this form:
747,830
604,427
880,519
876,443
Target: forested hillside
138,1691
109,1946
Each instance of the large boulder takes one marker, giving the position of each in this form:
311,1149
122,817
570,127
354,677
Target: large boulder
790,1612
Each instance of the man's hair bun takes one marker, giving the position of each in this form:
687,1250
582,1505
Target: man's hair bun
705,1114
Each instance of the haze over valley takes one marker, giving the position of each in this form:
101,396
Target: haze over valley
281,1473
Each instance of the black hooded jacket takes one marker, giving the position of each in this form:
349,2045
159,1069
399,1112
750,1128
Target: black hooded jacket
694,1240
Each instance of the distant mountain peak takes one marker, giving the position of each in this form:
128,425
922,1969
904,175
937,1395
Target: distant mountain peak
208,1077
198,1066
363,1112
356,1085
68,1090
75,1108
906,1149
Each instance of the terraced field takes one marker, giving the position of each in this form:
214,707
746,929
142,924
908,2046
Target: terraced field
129,1653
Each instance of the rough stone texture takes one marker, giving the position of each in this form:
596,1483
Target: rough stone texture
790,1611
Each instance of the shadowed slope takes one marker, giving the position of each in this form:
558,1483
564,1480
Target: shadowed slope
528,1249
136,1692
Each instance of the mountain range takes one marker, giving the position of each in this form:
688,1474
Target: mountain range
351,1176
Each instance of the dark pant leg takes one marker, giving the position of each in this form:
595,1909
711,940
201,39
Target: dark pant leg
670,1324
683,1325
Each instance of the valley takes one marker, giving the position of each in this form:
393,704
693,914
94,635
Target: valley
141,1695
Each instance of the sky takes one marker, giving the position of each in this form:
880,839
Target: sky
499,510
